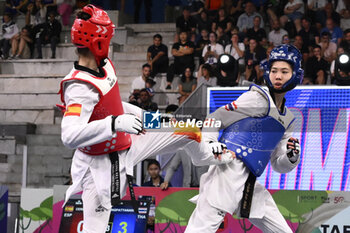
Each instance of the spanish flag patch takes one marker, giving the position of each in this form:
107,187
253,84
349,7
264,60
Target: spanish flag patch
73,110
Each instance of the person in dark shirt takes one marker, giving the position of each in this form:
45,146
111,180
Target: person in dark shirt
221,19
153,169
203,21
183,53
146,101
316,68
201,43
148,7
157,56
256,31
299,44
345,43
253,55
50,33
309,34
186,23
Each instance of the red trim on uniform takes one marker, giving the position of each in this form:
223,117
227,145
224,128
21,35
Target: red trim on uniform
227,108
234,105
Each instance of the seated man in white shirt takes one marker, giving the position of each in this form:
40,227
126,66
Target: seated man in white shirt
139,83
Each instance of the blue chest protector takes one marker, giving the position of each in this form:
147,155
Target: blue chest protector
254,139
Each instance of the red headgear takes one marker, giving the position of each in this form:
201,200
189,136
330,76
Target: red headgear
94,33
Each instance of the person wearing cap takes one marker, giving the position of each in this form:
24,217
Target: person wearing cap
258,128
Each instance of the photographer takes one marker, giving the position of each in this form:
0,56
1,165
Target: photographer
213,50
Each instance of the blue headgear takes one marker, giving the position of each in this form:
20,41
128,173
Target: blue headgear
290,54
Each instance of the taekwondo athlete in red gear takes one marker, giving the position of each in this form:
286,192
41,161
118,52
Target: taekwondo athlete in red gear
102,127
258,128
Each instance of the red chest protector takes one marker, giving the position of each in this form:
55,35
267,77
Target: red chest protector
110,104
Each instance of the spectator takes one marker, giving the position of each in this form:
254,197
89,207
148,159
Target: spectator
328,48
51,6
157,56
140,82
221,19
316,68
235,10
180,157
253,56
256,31
223,38
203,21
309,34
145,101
186,23
187,85
343,8
294,11
13,7
147,6
65,10
330,13
204,75
172,10
299,44
213,50
285,39
315,10
345,43
245,20
201,43
340,50
275,36
183,53
264,61
335,31
153,169
51,31
36,13
236,49
213,6
21,44
9,32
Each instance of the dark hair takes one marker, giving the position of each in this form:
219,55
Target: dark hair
83,51
171,108
316,46
183,31
83,15
146,65
183,77
306,18
325,34
157,36
186,8
144,90
216,36
8,15
346,31
207,67
151,162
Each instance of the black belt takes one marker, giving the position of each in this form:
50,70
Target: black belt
115,182
248,191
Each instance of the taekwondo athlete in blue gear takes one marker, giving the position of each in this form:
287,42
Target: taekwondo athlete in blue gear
258,128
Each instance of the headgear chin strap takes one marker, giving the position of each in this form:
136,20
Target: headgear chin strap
290,54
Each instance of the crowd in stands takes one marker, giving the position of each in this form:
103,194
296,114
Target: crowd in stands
43,25
247,31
